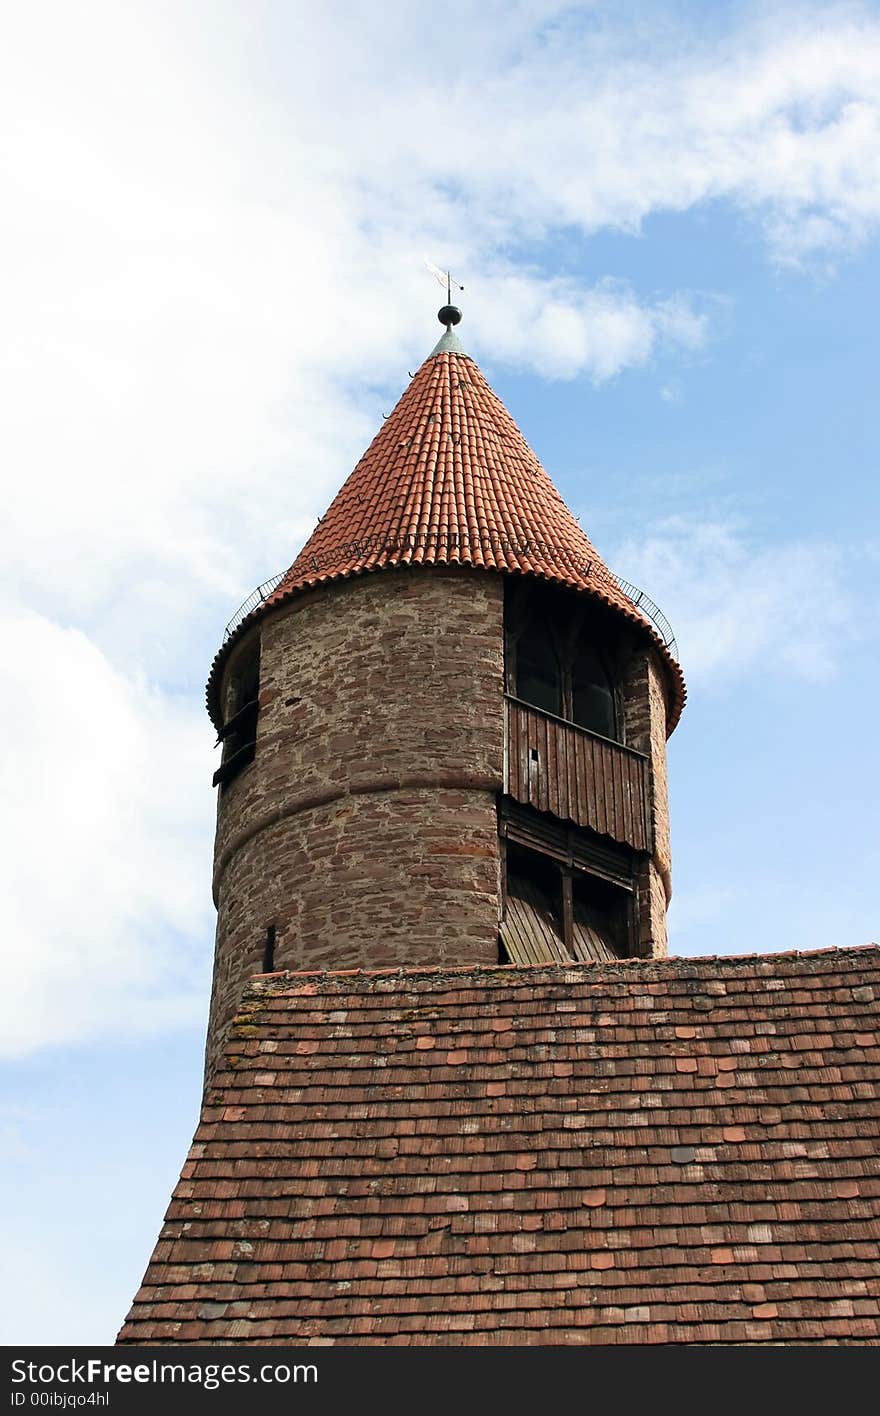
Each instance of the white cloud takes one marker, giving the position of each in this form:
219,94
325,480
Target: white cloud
553,327
106,891
598,124
737,605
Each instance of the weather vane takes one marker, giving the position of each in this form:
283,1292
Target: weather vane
450,314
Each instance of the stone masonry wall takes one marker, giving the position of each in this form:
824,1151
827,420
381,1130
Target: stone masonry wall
365,830
645,716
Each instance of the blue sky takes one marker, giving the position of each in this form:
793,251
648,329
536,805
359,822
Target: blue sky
214,225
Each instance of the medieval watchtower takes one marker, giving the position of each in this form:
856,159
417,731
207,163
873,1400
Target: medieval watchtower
444,729
456,1093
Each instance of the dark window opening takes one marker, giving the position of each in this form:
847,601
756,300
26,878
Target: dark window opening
599,918
538,671
269,950
558,659
532,927
239,731
556,914
592,697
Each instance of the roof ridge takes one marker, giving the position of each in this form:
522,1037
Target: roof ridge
670,962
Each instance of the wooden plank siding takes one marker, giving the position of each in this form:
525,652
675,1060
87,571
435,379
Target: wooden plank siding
530,931
577,775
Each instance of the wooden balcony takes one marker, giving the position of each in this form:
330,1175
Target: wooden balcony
577,775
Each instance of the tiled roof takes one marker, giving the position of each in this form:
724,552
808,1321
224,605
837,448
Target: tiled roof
450,479
683,1150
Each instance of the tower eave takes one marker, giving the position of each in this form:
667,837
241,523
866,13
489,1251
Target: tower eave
674,674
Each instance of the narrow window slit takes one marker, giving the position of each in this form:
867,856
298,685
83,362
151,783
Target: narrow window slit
269,950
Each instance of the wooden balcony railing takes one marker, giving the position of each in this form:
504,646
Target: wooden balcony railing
577,775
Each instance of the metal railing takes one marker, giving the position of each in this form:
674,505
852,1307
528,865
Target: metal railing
651,612
638,597
254,599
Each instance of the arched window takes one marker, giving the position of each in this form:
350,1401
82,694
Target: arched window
538,671
592,697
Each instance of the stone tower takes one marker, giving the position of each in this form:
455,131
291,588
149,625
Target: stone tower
444,729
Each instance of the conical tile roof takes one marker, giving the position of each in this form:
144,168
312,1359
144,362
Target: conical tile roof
450,480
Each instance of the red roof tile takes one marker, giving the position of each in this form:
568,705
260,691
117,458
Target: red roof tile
449,479
365,1191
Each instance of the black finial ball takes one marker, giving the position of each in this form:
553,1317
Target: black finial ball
450,315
